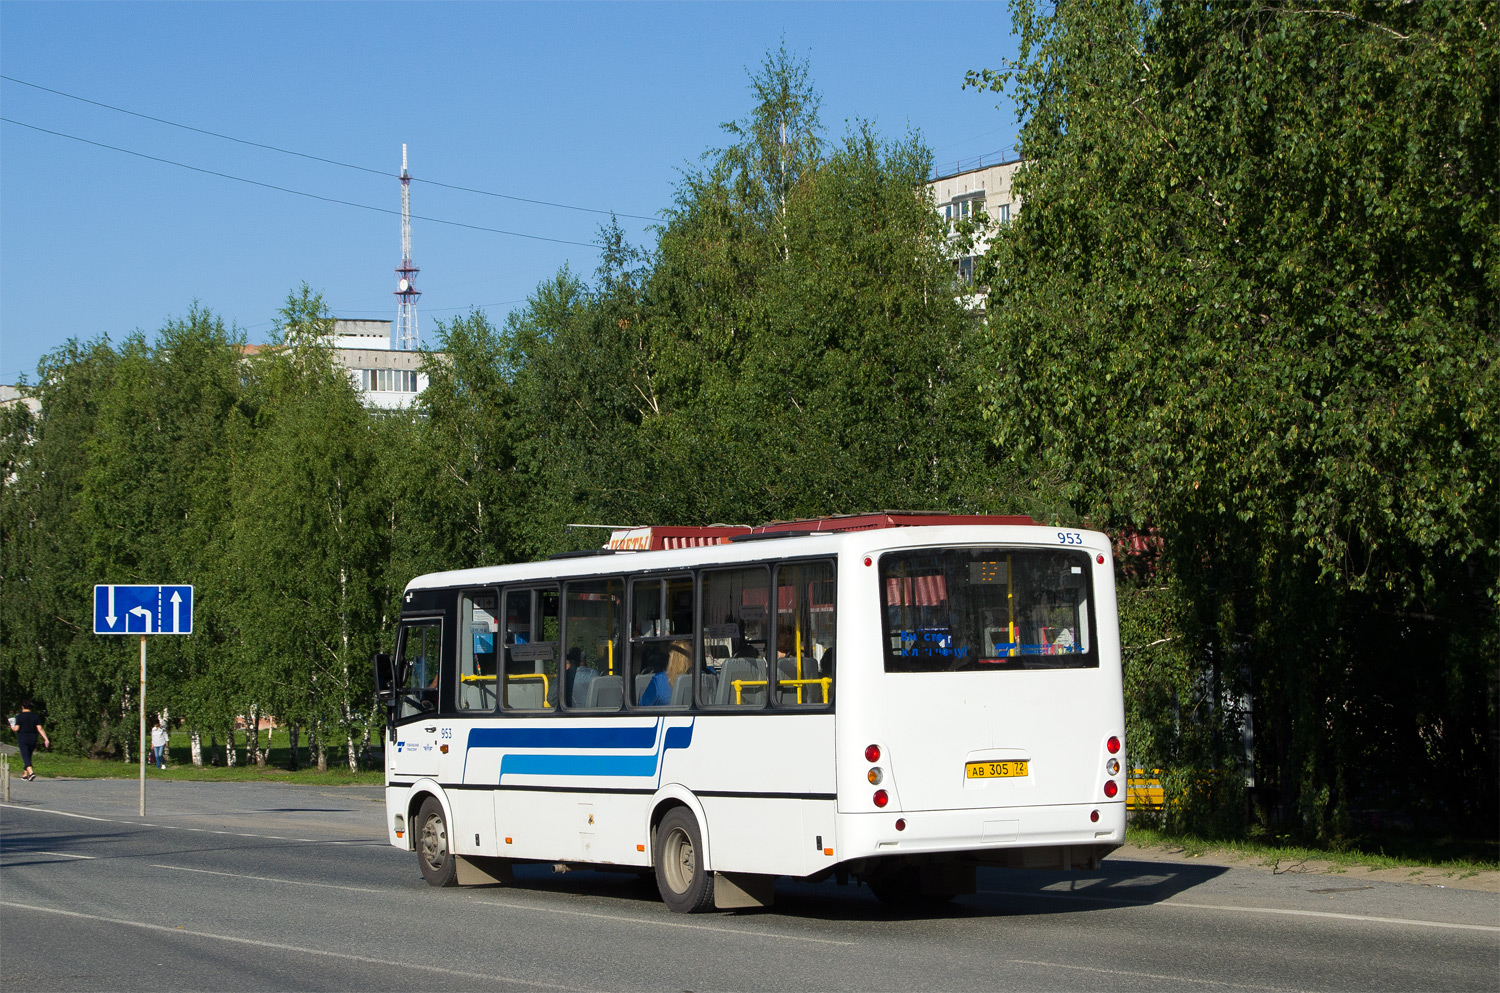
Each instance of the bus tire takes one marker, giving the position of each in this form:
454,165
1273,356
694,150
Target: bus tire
686,887
439,867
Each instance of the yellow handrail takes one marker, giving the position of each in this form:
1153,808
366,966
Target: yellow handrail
476,679
534,675
825,682
738,684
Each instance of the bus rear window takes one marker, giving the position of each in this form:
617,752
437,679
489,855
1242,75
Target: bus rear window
967,609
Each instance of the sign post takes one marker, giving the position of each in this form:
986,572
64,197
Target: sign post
143,610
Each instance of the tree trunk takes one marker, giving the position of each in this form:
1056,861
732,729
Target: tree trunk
265,753
252,734
322,750
213,748
230,758
196,739
294,731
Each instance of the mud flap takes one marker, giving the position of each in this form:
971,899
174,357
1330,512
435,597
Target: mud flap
733,890
479,870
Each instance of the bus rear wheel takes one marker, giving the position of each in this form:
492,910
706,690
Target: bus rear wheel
686,887
438,865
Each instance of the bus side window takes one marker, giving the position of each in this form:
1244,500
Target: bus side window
419,655
661,639
805,626
476,651
530,670
593,618
736,626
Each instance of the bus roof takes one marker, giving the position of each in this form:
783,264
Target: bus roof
657,538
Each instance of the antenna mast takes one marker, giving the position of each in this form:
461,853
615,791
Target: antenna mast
406,290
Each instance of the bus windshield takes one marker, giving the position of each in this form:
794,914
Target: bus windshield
966,609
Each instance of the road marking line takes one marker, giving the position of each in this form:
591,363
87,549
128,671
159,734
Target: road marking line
270,879
65,855
1288,912
369,843
1152,975
616,918
278,946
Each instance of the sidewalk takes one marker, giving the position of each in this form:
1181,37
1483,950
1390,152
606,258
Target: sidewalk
1488,882
345,813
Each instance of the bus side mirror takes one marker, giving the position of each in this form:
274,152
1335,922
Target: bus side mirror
385,677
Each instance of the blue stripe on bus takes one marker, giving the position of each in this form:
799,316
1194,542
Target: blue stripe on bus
636,766
578,765
535,737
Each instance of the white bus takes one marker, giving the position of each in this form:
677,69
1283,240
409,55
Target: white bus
893,699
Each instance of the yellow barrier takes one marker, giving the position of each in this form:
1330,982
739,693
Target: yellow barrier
1143,792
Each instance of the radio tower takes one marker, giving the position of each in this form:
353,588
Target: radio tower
406,290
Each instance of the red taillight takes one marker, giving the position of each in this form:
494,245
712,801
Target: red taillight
872,753
901,824
881,798
1094,816
1110,788
869,561
1113,744
1100,560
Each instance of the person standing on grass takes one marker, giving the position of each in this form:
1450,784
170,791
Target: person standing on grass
28,726
159,740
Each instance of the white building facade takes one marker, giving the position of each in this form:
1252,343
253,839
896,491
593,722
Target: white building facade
386,378
961,196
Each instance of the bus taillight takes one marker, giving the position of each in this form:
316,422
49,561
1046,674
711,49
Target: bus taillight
1111,788
881,798
875,776
1113,744
872,753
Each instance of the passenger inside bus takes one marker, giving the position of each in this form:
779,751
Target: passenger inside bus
658,691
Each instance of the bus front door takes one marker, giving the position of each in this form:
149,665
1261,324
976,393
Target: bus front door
414,745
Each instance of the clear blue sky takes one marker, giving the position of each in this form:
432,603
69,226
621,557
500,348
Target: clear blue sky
588,104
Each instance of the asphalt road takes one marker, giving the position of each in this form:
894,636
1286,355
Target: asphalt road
273,887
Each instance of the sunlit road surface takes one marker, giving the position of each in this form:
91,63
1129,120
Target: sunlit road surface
229,886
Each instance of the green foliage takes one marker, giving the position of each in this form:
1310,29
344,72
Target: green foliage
1250,304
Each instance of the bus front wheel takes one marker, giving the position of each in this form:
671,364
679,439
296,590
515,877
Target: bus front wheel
686,886
437,862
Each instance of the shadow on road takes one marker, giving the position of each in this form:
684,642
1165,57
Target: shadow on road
1001,892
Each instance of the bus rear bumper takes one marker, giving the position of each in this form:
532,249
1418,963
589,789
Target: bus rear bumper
993,834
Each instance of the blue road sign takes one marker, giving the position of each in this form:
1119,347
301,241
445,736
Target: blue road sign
143,610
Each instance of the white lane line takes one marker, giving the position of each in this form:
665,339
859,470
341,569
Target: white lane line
65,855
1283,911
368,843
270,879
278,946
617,919
1158,977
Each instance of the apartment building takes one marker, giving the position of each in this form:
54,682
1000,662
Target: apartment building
964,195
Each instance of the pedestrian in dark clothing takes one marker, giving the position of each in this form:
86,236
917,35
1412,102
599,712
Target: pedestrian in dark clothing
27,727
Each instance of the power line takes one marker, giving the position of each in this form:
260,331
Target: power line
300,193
319,158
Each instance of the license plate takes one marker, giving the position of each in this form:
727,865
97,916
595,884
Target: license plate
996,770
